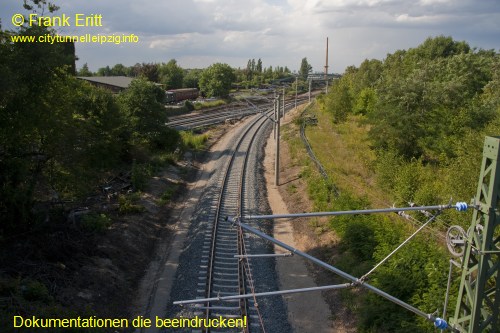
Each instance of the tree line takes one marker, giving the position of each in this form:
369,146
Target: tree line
214,81
60,136
427,109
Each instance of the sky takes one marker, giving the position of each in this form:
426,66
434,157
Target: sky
198,33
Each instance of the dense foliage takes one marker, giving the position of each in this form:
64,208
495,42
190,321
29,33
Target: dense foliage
216,80
172,76
428,109
59,136
256,75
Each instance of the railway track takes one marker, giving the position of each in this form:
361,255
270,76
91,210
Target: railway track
192,121
222,274
217,116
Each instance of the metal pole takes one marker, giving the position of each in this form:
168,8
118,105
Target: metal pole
296,89
310,84
351,212
277,159
343,274
447,296
274,105
266,255
283,105
269,293
478,302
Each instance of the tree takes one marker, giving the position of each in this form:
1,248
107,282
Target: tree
192,78
171,75
259,66
27,137
305,69
339,100
104,71
149,71
145,114
216,80
118,70
40,5
84,71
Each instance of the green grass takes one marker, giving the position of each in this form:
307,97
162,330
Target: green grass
344,151
193,141
211,104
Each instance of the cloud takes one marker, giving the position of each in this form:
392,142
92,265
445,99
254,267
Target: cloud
281,32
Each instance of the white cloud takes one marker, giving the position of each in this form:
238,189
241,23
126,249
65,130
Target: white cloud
281,32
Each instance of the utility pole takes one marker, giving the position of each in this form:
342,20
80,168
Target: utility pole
283,104
478,304
274,105
310,85
277,160
296,89
326,67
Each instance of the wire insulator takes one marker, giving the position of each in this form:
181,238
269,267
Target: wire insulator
441,324
461,206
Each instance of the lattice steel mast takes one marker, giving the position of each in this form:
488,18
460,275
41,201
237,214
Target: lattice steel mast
478,303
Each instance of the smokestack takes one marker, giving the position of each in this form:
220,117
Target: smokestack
326,66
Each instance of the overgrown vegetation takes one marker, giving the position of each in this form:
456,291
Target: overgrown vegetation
129,203
403,130
193,141
210,104
96,222
62,134
60,138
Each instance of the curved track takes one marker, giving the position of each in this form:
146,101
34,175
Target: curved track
222,274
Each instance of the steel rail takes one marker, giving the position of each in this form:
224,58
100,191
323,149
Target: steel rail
223,189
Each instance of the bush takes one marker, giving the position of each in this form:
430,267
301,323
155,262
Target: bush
140,175
33,290
168,194
167,139
96,222
189,106
128,203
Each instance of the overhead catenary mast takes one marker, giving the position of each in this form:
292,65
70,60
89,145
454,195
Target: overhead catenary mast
326,67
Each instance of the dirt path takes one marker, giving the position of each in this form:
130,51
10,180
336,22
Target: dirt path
307,312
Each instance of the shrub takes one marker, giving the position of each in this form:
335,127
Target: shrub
168,194
128,203
189,106
33,290
96,222
193,141
140,174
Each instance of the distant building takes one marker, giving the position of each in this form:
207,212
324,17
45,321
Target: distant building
114,83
